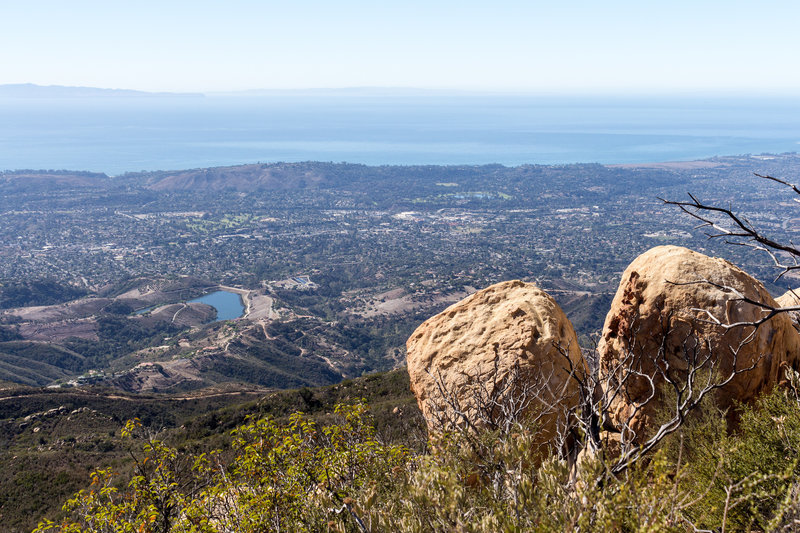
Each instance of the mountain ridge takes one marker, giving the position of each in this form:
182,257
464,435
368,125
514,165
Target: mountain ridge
32,90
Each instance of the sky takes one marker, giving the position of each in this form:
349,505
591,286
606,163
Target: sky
578,46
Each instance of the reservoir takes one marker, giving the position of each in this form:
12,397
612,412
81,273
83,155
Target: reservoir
228,304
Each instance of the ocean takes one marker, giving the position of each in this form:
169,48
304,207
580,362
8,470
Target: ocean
117,135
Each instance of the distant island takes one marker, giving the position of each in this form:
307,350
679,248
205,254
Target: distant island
31,90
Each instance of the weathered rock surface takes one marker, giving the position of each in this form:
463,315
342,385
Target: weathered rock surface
791,298
654,322
475,345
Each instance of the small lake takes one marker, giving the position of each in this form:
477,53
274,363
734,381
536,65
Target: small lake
228,304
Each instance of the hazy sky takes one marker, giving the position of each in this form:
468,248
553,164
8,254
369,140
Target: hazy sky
585,46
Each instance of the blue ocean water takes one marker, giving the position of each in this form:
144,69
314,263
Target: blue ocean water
116,135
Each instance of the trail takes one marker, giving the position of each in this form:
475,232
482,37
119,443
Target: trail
184,306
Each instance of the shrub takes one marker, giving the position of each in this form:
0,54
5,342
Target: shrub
749,474
283,477
304,476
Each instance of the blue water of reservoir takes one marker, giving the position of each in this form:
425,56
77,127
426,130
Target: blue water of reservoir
228,304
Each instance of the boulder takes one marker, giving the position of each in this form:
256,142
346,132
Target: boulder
658,318
511,341
791,298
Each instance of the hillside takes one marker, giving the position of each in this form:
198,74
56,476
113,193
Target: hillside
296,472
239,178
52,439
334,266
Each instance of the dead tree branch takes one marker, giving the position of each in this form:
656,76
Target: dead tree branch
679,382
739,231
769,311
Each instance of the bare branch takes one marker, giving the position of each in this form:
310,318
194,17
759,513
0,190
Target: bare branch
782,182
769,310
739,230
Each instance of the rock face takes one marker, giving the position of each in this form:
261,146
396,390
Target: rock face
508,332
791,298
653,322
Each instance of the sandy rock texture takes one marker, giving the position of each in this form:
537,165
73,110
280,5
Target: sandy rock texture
791,298
478,344
654,322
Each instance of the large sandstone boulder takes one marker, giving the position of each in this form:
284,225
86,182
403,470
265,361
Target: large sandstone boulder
791,298
657,320
474,349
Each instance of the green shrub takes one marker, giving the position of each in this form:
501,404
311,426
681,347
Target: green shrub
745,476
301,475
283,477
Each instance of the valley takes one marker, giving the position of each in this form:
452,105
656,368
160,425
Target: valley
335,264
